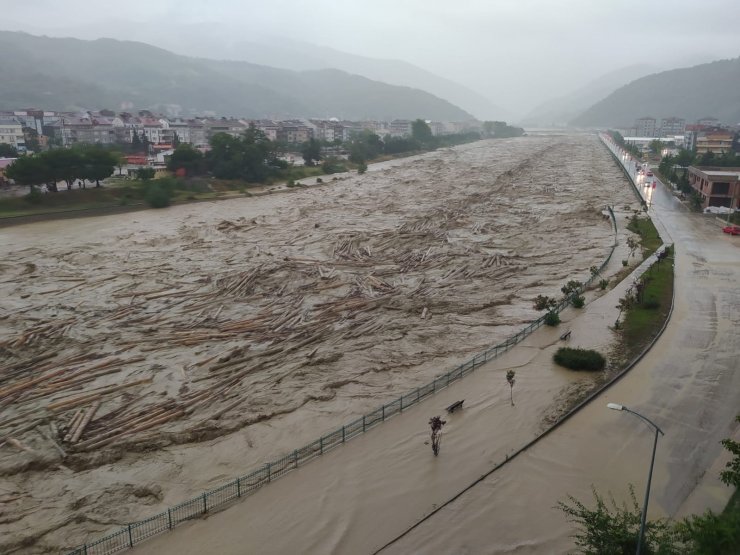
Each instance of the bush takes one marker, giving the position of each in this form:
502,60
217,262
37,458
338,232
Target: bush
603,283
361,168
552,319
333,165
625,263
579,359
157,196
34,196
578,301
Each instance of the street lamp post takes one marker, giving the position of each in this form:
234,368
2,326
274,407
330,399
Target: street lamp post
615,406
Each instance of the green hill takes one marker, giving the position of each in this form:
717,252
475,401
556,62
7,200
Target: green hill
690,93
65,74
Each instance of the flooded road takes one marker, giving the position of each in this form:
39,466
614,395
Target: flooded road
232,332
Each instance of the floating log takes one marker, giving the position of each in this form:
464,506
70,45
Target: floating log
85,421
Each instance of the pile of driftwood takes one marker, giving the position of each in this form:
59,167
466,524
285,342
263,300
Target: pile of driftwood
82,395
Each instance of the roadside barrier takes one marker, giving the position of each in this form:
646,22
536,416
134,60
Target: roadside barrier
225,495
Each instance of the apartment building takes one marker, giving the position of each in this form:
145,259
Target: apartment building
645,127
11,133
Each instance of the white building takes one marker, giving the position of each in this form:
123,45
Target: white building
11,133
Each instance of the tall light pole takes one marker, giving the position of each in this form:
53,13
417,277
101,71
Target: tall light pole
615,406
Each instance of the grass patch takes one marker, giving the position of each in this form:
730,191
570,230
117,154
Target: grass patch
579,359
643,320
649,238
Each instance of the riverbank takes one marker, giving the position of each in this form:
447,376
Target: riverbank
118,195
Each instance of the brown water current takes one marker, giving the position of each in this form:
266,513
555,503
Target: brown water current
242,329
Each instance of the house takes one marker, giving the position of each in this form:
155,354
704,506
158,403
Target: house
11,133
716,186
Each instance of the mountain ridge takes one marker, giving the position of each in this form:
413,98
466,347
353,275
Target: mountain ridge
690,93
67,73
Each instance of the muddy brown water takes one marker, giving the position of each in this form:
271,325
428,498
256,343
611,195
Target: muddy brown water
314,297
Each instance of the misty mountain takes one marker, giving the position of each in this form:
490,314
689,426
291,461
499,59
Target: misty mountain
227,42
301,56
690,93
57,73
559,111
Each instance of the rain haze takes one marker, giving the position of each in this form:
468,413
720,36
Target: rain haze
515,53
283,276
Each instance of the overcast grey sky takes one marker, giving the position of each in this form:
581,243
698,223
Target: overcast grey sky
516,52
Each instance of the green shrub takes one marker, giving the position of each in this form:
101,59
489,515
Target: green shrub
552,319
34,196
625,263
603,283
157,196
333,165
579,359
578,301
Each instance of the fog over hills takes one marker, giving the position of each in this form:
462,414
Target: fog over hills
560,111
58,73
230,42
691,93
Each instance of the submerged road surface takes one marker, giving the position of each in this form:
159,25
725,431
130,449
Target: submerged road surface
688,384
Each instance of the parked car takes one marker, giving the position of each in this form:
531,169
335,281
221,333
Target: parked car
649,173
732,229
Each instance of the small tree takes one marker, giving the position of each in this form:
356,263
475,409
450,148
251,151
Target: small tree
543,302
436,424
615,529
362,167
633,244
510,374
594,271
570,290
624,304
731,476
311,152
145,174
571,287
